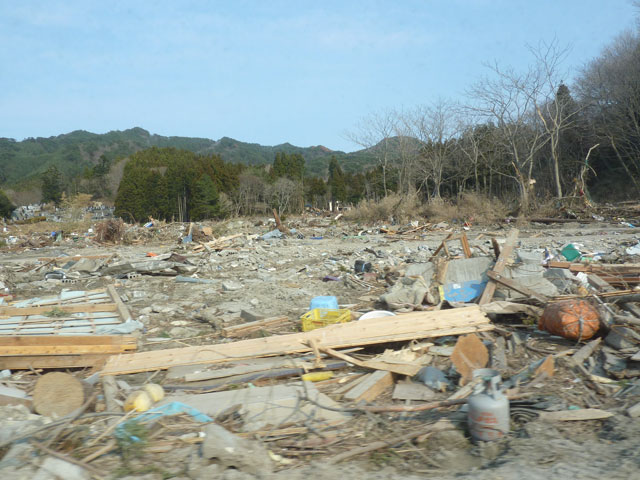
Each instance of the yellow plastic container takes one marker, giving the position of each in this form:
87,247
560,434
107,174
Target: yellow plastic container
317,376
321,317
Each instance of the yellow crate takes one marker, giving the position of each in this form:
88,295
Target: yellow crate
321,317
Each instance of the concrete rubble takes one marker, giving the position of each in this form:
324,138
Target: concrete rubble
213,313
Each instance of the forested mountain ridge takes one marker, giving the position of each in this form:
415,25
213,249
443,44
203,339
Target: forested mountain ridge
71,153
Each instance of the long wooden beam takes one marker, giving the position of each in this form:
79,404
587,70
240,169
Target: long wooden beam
409,326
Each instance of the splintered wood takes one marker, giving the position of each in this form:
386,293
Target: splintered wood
405,327
500,265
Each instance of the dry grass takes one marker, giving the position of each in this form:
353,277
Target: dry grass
393,208
471,207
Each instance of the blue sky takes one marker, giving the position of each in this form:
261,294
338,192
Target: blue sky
267,71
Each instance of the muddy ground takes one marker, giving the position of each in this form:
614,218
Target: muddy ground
280,276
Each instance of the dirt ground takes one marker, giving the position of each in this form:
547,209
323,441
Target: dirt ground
280,277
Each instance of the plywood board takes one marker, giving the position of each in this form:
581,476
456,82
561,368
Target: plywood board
469,354
409,326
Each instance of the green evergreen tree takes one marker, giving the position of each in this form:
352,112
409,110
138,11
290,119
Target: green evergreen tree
52,185
131,199
206,201
288,166
6,207
336,181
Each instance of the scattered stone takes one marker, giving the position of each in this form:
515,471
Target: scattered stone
183,332
634,411
229,450
231,286
250,316
57,469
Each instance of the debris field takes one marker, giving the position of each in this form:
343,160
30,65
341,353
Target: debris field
314,346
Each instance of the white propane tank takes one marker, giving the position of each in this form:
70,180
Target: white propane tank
488,414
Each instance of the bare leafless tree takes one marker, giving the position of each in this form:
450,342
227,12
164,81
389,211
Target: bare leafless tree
436,127
375,133
512,100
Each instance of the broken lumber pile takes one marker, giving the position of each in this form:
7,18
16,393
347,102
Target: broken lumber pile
613,274
70,330
409,326
77,313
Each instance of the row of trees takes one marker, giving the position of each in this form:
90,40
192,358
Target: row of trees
522,134
167,183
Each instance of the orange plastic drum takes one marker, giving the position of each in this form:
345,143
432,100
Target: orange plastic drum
572,319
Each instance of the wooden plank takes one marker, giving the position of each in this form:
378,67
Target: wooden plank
443,245
84,308
400,368
604,268
121,307
128,341
575,415
514,285
585,352
465,245
500,265
373,386
74,258
412,391
352,381
404,327
598,283
64,350
27,362
250,327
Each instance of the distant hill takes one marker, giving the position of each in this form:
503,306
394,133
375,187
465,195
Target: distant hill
22,163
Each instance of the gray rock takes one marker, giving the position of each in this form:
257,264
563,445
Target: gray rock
229,450
146,311
183,332
55,468
23,473
250,315
231,286
17,456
